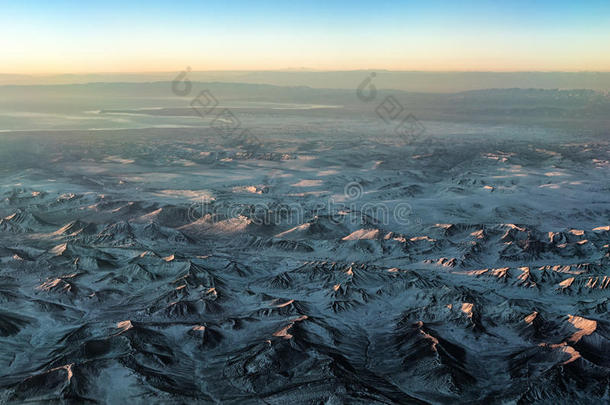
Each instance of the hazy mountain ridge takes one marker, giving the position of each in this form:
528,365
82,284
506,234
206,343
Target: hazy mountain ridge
401,80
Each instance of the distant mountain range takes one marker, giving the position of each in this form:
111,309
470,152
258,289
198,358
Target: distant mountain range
408,81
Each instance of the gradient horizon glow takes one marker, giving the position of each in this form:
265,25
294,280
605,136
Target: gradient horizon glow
72,37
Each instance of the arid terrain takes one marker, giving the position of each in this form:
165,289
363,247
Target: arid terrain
148,257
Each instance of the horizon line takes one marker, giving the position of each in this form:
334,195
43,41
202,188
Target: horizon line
299,70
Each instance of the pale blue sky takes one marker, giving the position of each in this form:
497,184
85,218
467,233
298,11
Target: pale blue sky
73,36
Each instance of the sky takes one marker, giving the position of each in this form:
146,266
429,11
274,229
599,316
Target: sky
51,37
